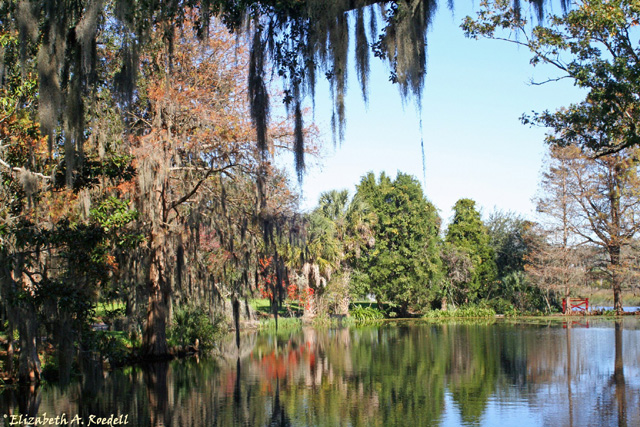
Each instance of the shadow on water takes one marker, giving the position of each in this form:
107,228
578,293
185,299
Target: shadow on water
426,375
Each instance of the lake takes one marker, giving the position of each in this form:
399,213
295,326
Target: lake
583,372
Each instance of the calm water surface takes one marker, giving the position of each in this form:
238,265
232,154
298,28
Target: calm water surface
584,373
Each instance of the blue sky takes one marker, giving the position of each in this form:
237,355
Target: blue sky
475,145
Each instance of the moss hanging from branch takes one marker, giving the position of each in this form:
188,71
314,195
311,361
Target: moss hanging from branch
297,38
258,94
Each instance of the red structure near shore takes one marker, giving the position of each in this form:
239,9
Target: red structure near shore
578,304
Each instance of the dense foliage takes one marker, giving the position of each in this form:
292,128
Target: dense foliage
468,235
403,267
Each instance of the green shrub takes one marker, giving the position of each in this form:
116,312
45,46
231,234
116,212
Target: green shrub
50,369
366,314
191,323
500,306
113,348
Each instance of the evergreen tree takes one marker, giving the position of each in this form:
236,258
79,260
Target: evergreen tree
468,233
403,266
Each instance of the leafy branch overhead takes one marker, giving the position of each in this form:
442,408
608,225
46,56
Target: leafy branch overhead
69,42
595,44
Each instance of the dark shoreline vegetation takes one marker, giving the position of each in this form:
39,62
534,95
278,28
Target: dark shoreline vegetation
142,212
195,335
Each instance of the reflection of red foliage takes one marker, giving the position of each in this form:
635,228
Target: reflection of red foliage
312,360
229,382
285,363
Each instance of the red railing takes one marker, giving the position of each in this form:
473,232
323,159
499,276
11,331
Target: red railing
575,304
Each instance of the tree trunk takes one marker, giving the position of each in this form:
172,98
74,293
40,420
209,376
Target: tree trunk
567,296
310,274
10,349
616,285
155,334
65,348
29,364
404,310
343,299
546,300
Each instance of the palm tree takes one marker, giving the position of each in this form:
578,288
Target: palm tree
337,230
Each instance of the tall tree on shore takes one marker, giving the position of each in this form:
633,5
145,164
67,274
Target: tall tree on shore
603,196
190,131
555,262
403,266
510,239
468,233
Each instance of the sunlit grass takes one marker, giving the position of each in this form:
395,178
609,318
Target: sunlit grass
287,309
283,324
106,309
462,312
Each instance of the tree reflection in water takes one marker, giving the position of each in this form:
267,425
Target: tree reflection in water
155,375
569,374
452,374
618,378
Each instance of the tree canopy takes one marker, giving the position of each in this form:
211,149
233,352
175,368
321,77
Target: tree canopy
468,233
595,46
403,266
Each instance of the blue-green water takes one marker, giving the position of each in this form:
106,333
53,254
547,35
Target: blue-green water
584,373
